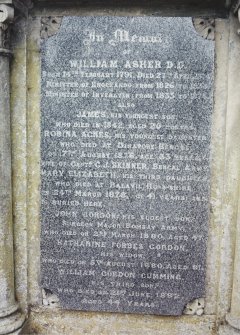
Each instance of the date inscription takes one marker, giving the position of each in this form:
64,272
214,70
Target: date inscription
125,163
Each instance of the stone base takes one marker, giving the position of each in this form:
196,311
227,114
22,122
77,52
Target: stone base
55,321
11,324
17,332
234,322
228,330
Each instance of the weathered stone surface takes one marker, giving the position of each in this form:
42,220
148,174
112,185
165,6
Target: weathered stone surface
213,8
55,321
126,120
10,317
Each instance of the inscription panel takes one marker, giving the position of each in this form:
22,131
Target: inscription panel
125,148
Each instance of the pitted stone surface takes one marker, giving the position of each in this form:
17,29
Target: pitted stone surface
125,146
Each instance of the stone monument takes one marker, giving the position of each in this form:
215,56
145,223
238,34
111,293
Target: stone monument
126,125
119,167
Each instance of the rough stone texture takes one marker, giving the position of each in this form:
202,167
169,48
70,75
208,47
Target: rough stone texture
217,173
228,330
233,168
158,7
6,235
217,297
125,163
10,318
33,162
19,159
230,194
56,322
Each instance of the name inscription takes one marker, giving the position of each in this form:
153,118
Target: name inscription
125,149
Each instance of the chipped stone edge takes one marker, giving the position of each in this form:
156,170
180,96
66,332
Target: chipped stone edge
195,307
49,299
6,17
50,26
205,27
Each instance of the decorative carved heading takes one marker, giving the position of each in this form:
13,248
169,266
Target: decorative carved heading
205,27
6,17
50,26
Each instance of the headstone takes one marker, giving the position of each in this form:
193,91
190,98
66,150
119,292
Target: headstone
125,155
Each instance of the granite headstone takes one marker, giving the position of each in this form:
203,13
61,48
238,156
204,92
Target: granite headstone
125,156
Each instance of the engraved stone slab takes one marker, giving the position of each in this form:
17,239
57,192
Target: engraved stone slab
125,156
